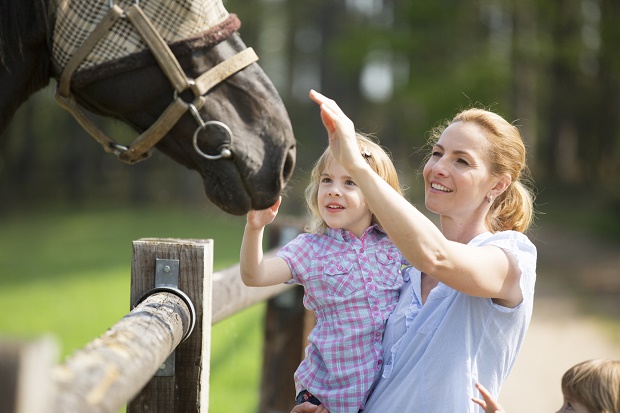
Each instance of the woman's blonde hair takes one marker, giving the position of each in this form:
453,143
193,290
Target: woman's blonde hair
514,208
378,159
595,384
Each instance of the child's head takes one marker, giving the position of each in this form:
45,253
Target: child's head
375,156
595,384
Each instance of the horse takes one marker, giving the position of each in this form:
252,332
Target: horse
175,71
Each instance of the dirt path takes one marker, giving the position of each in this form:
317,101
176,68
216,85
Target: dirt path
578,281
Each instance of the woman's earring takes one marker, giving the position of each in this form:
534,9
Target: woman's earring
490,199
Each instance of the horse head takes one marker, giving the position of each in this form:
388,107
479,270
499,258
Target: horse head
235,131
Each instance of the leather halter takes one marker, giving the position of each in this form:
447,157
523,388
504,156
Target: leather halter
139,149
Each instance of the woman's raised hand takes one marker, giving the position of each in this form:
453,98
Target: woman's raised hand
341,132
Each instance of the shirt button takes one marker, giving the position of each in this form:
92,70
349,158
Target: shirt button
378,335
361,250
380,362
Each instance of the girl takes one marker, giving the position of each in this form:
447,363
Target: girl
351,275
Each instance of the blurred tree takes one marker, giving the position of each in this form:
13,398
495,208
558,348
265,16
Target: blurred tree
609,89
559,153
526,79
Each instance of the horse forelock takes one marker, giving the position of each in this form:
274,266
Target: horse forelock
175,20
211,37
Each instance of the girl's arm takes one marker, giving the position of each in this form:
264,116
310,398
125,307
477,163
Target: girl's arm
257,271
478,271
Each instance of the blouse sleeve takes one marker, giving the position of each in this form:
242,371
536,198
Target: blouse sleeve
525,252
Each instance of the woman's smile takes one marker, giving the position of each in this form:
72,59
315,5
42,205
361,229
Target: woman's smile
439,187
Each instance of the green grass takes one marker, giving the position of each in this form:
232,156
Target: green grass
67,273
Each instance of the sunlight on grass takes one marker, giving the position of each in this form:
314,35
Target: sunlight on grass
68,274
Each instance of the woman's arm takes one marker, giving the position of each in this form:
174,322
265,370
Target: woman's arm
256,271
478,271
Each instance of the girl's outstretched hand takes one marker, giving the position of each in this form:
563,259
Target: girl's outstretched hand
259,219
487,402
341,132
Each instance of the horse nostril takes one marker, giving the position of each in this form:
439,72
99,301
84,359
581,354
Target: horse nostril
289,164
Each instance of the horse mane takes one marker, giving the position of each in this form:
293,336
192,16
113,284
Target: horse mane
25,63
20,20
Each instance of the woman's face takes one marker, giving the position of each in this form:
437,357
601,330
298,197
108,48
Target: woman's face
341,202
457,178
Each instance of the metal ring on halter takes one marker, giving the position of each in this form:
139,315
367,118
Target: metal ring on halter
224,151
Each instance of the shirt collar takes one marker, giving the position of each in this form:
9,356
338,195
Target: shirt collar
346,235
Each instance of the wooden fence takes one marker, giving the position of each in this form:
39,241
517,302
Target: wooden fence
156,358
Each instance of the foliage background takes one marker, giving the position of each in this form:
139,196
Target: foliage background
397,68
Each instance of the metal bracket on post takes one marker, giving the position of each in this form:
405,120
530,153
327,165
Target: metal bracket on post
167,275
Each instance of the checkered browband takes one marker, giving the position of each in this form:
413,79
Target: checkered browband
175,20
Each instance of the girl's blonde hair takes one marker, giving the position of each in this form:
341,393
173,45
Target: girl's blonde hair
595,384
378,159
514,208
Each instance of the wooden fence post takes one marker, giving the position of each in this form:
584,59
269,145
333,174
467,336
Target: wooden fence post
25,367
283,349
186,389
285,336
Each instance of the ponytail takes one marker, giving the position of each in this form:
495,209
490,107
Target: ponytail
513,209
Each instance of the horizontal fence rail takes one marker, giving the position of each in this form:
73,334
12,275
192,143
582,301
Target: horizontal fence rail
230,295
112,369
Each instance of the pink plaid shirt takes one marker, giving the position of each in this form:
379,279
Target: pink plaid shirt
352,285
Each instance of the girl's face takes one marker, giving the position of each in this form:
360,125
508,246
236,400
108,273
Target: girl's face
341,202
457,179
571,406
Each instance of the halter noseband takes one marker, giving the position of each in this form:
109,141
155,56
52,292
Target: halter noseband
139,149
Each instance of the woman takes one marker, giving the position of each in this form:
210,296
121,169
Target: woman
464,310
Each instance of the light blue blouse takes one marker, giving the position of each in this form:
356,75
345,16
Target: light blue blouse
435,353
